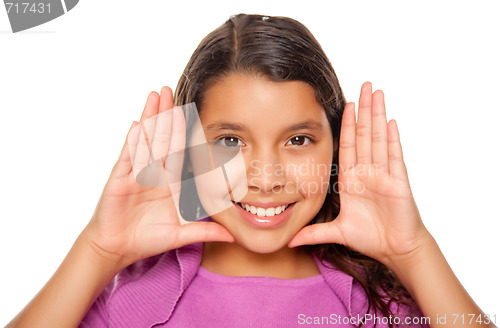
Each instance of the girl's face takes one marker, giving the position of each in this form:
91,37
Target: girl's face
287,148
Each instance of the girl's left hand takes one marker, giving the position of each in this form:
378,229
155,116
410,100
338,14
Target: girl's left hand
378,215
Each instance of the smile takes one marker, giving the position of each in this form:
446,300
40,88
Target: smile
262,215
263,212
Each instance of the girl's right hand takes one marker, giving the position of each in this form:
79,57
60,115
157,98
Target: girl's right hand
131,221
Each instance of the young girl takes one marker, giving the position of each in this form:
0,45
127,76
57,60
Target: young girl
327,232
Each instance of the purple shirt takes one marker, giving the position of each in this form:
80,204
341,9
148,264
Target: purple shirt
214,300
172,290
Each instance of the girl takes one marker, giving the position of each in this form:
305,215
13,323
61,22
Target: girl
303,245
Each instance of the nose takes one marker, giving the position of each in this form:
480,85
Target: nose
265,171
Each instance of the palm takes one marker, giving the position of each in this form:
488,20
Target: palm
146,216
133,221
378,216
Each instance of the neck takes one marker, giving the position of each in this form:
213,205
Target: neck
232,259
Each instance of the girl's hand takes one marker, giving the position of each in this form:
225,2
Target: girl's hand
131,221
378,215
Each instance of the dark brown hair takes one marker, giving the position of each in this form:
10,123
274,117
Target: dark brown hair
282,49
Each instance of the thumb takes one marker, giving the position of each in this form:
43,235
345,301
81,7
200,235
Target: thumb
194,232
319,233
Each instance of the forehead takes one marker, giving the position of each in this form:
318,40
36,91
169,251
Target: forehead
255,100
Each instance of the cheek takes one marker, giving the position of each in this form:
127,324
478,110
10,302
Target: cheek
217,186
313,173
314,179
211,186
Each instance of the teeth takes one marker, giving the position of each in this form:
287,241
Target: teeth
271,211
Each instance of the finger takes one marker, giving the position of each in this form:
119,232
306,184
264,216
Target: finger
364,125
124,164
166,99
132,141
175,156
178,142
347,142
142,153
148,120
147,124
195,232
163,125
397,167
149,110
379,132
319,233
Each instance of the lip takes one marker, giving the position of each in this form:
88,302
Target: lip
265,205
266,221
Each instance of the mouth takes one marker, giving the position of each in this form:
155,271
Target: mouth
265,216
264,211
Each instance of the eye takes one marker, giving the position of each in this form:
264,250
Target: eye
299,141
229,142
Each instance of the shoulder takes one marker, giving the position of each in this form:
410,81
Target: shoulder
146,292
344,286
352,294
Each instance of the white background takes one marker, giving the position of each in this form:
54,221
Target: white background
69,90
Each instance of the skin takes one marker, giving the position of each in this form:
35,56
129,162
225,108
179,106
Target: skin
132,222
383,221
270,159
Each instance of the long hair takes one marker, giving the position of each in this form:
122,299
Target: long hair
282,49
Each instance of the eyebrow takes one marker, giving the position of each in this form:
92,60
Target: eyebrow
306,125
